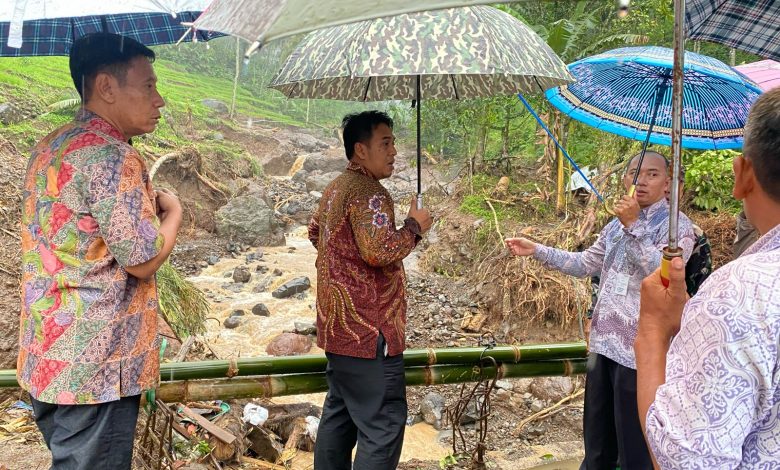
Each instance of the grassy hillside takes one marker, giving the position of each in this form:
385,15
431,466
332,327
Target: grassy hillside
35,83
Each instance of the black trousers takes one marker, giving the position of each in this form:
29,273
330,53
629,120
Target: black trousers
89,437
613,434
366,404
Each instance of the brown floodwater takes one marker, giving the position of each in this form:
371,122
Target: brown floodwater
250,339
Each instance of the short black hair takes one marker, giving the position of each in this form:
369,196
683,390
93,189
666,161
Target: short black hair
762,142
358,127
103,52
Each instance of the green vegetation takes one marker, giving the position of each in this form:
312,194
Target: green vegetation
710,177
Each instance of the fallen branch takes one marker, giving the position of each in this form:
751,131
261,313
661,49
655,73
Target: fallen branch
261,463
8,272
495,218
185,347
8,232
159,162
549,410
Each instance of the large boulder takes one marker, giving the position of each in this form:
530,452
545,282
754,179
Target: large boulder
318,181
11,114
292,287
279,165
552,389
432,409
248,219
324,164
289,344
307,143
216,105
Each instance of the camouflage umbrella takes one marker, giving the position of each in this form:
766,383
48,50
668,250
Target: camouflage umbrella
459,53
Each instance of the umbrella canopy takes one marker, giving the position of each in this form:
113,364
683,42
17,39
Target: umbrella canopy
628,91
49,27
765,73
748,25
263,21
457,53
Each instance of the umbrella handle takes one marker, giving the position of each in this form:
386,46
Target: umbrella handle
666,262
419,201
632,190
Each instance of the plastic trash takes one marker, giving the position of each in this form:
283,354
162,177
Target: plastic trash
255,414
312,424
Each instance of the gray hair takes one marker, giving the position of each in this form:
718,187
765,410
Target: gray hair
762,142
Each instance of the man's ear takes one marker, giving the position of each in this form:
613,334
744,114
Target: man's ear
104,87
744,177
360,151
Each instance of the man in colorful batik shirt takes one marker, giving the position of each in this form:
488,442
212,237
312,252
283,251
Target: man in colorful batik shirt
361,302
94,233
708,367
627,250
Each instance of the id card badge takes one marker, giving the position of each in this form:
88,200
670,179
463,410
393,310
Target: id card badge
621,284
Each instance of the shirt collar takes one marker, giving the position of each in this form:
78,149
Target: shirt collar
357,168
768,242
648,212
93,122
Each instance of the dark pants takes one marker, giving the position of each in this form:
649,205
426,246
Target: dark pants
612,430
366,403
89,437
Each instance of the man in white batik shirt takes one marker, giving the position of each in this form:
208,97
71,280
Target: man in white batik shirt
710,399
627,250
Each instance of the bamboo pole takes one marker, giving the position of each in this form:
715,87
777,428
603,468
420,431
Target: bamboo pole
297,384
412,357
316,363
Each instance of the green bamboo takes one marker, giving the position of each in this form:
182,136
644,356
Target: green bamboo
296,384
316,363
412,357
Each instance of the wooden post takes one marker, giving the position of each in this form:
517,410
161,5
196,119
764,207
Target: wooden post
235,78
560,201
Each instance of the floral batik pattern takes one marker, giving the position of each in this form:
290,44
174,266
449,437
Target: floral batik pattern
360,275
88,330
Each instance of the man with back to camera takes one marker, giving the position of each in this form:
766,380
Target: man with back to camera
94,233
708,367
627,250
361,302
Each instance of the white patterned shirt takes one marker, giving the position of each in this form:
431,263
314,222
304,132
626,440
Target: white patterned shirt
720,405
622,257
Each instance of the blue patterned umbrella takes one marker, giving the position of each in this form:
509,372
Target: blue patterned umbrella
49,27
628,91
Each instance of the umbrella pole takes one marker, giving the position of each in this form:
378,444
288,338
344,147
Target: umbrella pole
672,250
419,158
660,93
557,144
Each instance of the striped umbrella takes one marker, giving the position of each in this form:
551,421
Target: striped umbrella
628,91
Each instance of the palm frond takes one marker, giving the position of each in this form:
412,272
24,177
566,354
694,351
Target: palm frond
611,41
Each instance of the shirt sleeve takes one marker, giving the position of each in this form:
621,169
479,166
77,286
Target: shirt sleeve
380,243
580,264
719,380
643,245
119,199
